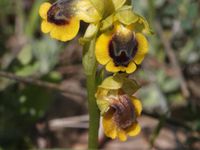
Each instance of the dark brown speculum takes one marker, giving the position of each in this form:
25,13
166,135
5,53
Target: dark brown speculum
122,49
123,112
59,14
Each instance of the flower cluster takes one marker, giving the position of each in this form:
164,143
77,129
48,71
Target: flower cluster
116,37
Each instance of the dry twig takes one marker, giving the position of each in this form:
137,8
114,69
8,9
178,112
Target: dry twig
45,84
70,122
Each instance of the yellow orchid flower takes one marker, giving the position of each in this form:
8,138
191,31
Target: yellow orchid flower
62,19
119,109
121,118
122,49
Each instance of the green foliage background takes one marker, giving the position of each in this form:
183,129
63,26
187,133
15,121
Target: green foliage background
26,52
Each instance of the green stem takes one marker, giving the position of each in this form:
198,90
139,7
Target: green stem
94,114
151,11
90,68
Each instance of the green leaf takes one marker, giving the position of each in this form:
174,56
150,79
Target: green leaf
25,55
153,98
89,41
46,52
54,75
28,70
89,59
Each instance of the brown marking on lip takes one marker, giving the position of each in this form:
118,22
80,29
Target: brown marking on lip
58,15
123,112
122,49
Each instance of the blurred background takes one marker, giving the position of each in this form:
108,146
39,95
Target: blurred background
42,85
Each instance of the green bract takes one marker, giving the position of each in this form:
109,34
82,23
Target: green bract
90,32
118,3
126,16
120,81
107,23
110,89
142,25
104,7
111,83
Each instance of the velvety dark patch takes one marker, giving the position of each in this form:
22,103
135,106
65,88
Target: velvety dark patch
122,50
59,14
124,114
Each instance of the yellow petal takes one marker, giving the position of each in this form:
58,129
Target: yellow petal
46,27
66,32
102,48
44,9
134,130
110,129
138,58
122,135
131,67
143,47
112,68
137,105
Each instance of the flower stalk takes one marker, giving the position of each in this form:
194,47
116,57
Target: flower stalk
90,68
94,114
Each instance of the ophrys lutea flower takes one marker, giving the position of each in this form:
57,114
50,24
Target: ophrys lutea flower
62,18
121,49
121,118
119,109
